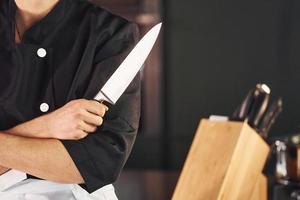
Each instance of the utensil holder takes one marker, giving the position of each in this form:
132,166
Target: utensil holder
225,162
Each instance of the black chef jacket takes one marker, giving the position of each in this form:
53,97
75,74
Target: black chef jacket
68,55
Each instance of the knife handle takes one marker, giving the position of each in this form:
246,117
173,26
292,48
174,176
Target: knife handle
100,97
261,101
243,110
270,117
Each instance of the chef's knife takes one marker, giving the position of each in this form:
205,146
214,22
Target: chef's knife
122,77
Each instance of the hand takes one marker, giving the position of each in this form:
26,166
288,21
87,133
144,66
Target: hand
73,121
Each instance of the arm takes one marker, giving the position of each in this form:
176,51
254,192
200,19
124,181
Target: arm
3,170
71,122
35,155
43,158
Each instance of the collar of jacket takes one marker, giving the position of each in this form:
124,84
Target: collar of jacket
39,30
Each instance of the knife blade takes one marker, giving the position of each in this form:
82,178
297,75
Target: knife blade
125,73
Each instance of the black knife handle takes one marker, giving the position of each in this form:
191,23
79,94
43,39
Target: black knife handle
270,117
261,101
243,110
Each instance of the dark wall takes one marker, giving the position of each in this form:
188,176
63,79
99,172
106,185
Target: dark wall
215,51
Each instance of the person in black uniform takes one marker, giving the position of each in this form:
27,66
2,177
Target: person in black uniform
55,55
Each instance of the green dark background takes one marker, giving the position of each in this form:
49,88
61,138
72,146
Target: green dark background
214,52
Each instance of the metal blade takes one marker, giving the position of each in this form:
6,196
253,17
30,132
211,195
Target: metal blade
122,77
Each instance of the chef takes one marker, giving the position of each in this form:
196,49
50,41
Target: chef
55,55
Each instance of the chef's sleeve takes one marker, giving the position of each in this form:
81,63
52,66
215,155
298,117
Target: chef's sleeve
101,156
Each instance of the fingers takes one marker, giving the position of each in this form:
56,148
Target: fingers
91,118
88,128
80,135
96,107
88,115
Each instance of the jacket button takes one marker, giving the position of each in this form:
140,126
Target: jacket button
44,107
41,52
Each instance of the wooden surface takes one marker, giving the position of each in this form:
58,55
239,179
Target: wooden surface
260,191
203,173
224,162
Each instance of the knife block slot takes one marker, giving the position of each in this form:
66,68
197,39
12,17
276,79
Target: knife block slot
225,162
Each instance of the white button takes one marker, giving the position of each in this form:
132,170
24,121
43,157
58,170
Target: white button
44,107
41,52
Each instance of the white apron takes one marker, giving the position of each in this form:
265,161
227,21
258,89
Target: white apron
14,187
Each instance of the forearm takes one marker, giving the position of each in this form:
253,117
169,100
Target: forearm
43,158
34,128
3,170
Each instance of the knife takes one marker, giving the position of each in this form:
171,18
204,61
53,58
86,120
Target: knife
243,110
122,77
262,95
270,117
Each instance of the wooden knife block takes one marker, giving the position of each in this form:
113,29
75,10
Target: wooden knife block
260,191
225,162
